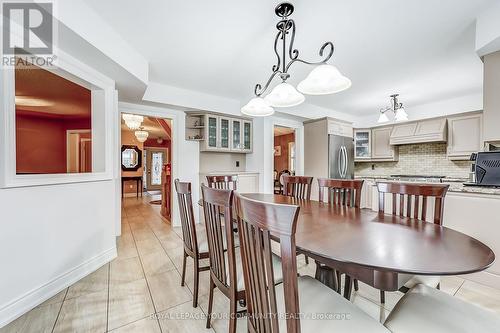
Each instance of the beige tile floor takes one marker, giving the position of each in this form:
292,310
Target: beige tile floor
140,290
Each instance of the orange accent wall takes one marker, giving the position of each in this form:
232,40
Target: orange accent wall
41,142
281,162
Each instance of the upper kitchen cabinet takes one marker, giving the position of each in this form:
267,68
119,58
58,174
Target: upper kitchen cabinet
219,133
464,136
382,150
339,127
431,130
362,144
491,97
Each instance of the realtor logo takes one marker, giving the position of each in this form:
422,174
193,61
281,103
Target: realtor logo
27,28
28,34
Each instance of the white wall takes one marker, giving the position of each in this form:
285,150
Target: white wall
262,158
50,237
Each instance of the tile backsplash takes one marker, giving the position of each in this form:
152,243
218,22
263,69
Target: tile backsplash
417,159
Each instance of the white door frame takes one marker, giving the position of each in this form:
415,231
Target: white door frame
157,112
269,124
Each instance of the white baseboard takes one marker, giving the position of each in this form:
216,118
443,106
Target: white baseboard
39,295
486,278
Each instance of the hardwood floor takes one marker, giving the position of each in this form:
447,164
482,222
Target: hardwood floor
140,290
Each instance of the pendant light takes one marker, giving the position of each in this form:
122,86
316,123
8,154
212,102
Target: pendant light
132,121
323,79
141,135
397,108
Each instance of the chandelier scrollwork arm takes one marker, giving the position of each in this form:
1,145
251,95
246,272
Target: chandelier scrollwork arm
278,63
328,45
258,87
292,53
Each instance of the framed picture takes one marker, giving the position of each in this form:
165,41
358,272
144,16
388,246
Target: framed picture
277,150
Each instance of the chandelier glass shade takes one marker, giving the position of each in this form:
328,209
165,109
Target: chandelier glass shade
397,108
141,135
257,107
284,95
324,79
132,121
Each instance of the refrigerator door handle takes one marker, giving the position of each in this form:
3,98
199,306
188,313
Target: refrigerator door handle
346,164
339,162
342,164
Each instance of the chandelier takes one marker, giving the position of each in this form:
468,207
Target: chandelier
396,107
141,135
323,79
132,121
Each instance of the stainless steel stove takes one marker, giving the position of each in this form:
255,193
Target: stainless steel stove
417,178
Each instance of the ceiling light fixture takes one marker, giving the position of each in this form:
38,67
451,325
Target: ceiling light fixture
324,79
141,135
132,121
397,108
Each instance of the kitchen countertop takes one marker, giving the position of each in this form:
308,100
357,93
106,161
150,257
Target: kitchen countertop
456,185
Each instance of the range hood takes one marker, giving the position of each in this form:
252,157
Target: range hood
432,130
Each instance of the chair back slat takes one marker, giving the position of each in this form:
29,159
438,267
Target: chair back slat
297,186
413,192
341,192
219,232
223,182
256,221
184,197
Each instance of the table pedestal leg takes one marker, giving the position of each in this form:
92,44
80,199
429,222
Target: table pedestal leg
326,275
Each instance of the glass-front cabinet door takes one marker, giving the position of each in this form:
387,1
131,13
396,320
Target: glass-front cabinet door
247,135
236,144
212,132
362,144
224,133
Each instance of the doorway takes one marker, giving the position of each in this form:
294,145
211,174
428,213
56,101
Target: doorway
285,155
149,180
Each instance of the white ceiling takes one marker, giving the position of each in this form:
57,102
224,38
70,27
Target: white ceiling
422,49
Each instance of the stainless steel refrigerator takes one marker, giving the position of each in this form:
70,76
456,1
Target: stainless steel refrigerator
340,157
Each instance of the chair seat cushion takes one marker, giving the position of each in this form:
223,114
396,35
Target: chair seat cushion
316,300
430,281
426,309
203,242
278,272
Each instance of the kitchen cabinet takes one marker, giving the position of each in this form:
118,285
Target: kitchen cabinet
430,130
226,134
247,136
362,144
464,136
382,150
339,127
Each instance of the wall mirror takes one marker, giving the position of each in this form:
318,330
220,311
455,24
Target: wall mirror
131,158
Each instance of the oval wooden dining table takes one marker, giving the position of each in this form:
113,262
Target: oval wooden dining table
374,248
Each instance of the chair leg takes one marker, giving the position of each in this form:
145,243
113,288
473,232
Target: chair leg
307,259
233,316
183,269
438,287
339,281
196,278
210,301
347,287
382,297
356,285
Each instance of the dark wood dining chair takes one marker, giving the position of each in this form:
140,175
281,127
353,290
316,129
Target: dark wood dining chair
271,308
406,200
223,271
223,182
298,187
191,246
278,183
342,192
